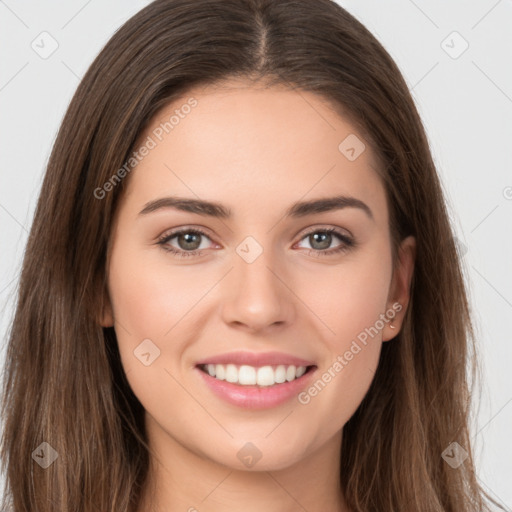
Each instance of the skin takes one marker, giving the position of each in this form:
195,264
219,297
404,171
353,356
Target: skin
256,150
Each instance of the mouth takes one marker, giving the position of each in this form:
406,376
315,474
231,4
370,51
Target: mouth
256,376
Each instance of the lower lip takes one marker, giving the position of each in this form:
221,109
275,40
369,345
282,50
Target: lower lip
256,397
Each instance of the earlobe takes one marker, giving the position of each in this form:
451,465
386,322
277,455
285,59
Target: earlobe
400,289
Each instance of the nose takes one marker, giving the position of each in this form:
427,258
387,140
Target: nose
256,295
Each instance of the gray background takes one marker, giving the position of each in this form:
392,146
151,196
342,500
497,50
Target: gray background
464,97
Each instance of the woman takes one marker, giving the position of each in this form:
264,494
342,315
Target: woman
176,346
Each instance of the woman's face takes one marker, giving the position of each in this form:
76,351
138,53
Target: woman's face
264,280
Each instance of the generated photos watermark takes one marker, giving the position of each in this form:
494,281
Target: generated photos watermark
150,143
343,360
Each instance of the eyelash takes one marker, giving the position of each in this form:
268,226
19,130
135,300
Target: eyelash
348,243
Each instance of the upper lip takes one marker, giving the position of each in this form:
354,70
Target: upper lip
256,359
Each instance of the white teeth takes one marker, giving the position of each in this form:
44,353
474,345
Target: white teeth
280,374
301,370
231,373
220,371
265,376
246,375
249,375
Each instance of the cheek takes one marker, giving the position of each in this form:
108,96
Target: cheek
351,306
150,301
363,299
353,297
149,298
150,304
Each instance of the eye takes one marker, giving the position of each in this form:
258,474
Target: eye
188,240
321,239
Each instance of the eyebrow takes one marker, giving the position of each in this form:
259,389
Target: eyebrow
217,210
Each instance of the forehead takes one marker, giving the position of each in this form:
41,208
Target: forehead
238,143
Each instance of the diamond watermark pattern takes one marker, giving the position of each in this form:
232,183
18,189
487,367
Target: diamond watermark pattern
454,455
44,455
461,247
44,45
454,45
147,352
249,249
249,454
351,147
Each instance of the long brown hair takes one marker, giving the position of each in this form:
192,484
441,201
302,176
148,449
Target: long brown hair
64,384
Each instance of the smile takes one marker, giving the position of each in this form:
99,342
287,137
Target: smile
254,387
245,375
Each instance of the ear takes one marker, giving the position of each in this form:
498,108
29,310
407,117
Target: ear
106,316
399,291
